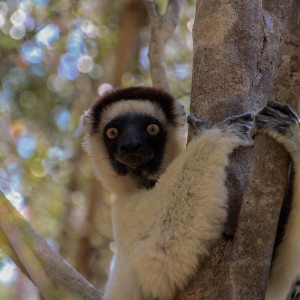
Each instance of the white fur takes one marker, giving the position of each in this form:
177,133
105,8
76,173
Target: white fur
161,234
287,262
133,106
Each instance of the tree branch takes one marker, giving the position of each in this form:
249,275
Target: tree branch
152,12
52,275
161,30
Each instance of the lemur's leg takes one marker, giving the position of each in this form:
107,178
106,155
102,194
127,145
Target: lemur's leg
282,123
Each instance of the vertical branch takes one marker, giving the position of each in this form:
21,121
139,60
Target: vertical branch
286,87
236,49
161,30
254,240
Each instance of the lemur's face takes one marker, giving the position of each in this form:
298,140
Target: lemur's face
132,136
135,142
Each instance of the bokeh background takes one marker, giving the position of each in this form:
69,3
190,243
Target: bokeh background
56,58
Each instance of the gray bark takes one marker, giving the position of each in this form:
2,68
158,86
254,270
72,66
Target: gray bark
236,49
286,87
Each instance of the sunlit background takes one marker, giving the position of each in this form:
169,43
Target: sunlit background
56,57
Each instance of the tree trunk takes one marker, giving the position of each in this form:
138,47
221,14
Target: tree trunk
286,87
236,49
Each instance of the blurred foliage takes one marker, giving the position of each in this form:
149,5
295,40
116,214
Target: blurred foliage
55,58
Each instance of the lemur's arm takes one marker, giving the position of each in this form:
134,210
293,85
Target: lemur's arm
282,123
187,209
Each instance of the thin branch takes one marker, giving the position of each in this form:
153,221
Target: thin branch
152,12
161,30
22,245
170,18
7,248
52,275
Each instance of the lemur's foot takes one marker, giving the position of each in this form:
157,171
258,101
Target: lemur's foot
281,123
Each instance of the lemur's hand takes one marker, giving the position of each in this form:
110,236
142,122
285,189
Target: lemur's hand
238,126
281,123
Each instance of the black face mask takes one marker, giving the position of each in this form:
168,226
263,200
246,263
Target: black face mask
135,143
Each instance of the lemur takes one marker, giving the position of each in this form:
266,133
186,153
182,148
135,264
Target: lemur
171,202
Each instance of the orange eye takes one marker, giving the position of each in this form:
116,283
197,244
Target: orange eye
112,133
153,129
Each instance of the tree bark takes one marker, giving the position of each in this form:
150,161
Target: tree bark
236,49
265,174
52,275
286,87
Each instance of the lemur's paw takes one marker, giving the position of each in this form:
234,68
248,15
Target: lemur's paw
196,126
276,119
238,127
280,122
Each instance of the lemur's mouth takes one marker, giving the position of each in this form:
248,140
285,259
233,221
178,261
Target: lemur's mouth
134,160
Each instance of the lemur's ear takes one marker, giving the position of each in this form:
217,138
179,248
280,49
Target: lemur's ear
88,119
87,122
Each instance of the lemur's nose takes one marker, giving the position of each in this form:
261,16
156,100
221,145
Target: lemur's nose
130,147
